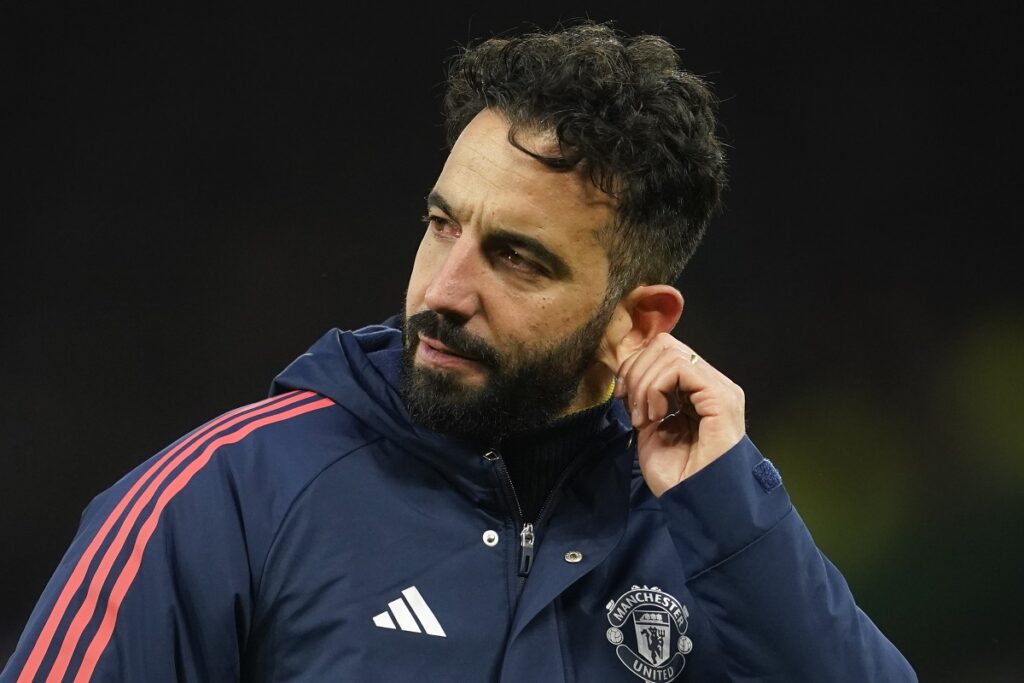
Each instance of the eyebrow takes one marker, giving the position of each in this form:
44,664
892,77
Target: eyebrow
559,268
434,198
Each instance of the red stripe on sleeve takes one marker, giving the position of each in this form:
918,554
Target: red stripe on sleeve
42,643
131,568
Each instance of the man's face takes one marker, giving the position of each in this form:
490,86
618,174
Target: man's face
506,307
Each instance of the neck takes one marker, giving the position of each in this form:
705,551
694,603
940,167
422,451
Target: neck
536,459
595,388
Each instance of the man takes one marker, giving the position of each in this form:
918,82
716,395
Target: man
525,477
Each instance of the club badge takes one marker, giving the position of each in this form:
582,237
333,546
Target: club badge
654,623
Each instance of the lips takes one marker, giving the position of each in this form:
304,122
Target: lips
438,346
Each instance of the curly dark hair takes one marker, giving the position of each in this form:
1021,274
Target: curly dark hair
626,113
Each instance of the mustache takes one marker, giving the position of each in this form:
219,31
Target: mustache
453,336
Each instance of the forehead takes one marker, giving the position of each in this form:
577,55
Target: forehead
491,184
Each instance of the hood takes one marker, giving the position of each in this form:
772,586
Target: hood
360,370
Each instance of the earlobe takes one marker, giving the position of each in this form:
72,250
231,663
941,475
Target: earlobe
643,314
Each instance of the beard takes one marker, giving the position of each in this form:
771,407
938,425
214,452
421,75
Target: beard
524,388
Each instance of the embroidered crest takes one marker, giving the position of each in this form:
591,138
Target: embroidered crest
658,622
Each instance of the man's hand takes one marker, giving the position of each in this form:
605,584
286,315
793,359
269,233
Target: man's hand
686,412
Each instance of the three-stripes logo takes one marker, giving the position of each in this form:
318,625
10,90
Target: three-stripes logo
406,620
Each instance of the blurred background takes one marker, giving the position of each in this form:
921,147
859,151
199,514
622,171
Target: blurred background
190,198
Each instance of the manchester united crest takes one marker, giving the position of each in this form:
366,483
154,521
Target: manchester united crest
648,630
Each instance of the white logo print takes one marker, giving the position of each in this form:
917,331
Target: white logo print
654,613
405,618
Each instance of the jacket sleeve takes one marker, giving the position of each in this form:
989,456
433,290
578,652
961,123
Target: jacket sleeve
153,588
781,610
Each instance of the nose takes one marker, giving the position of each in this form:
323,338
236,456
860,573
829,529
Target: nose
454,289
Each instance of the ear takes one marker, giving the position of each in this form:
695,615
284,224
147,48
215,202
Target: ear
641,315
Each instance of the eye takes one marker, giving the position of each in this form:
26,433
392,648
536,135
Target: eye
441,226
513,259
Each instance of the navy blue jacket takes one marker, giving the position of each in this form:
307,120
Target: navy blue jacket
322,536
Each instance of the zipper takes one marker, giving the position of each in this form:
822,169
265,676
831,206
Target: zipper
528,532
556,490
526,550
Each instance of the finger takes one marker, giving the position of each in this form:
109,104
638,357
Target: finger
652,357
627,366
667,383
651,349
635,368
620,374
709,389
699,361
654,404
702,390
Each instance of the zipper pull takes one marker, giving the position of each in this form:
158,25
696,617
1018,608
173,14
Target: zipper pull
526,557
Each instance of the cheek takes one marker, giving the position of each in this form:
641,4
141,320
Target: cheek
556,317
543,318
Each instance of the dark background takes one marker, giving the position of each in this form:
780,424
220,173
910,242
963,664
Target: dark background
190,198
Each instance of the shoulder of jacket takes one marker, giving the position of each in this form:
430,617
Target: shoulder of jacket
274,448
286,441
239,473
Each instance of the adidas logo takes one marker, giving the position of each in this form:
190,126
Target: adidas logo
405,618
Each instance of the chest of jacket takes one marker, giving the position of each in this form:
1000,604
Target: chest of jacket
385,570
